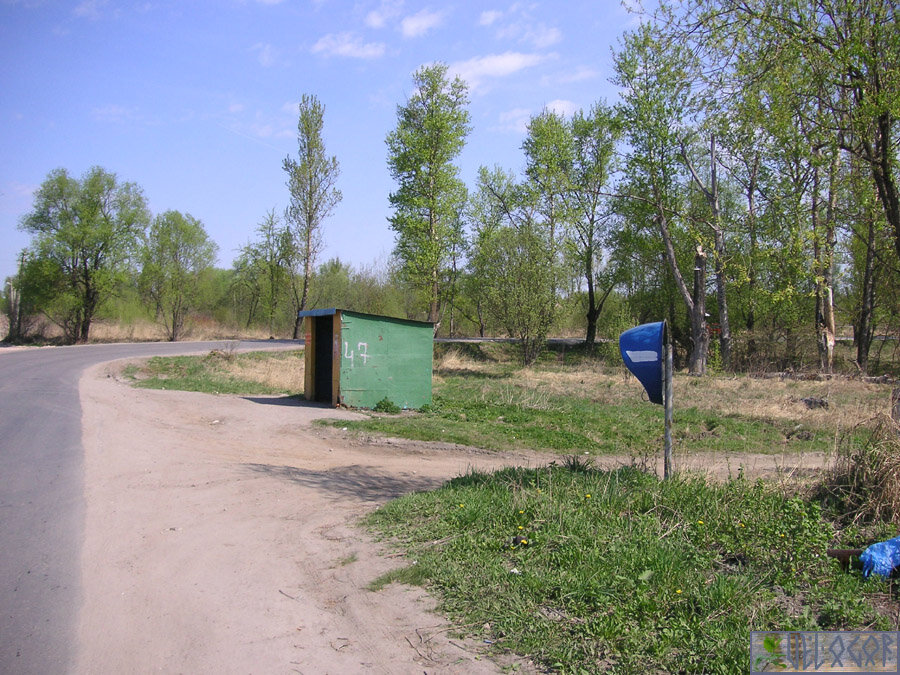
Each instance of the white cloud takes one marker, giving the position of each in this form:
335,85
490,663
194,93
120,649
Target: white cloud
476,71
420,23
21,190
520,26
515,120
539,35
562,107
388,10
266,54
291,107
263,124
348,45
267,130
542,36
89,9
489,17
115,114
580,74
16,197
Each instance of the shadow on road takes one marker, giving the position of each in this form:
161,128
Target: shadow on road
354,482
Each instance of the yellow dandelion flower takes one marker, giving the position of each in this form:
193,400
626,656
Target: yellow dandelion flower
587,496
461,505
699,522
678,591
521,528
521,512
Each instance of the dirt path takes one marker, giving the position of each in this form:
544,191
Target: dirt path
221,536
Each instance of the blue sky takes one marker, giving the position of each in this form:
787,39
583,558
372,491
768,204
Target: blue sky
196,100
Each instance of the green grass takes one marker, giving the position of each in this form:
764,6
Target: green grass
491,411
217,372
586,571
573,405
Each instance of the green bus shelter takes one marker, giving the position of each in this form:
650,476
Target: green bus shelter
357,359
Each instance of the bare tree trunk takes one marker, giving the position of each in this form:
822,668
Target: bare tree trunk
699,332
593,312
712,197
434,307
695,300
751,262
719,252
823,246
14,314
864,328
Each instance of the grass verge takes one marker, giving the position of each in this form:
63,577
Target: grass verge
223,372
586,406
588,571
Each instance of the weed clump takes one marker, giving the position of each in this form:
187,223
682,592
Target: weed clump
863,484
386,405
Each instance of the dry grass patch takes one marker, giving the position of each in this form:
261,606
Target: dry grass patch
863,483
286,374
774,401
139,331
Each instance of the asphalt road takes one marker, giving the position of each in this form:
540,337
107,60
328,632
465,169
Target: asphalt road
41,496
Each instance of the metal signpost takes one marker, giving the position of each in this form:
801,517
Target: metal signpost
647,353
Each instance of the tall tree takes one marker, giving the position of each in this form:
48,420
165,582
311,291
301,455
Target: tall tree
84,234
549,158
654,73
430,133
594,136
312,182
174,257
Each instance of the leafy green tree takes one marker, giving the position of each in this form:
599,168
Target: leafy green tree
549,159
430,133
485,213
85,232
509,259
518,285
334,285
176,254
312,181
848,52
825,73
263,270
655,74
594,137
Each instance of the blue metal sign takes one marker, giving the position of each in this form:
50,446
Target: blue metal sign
642,350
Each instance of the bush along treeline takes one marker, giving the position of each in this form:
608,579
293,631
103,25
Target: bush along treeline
744,187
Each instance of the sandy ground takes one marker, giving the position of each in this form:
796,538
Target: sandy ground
221,536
